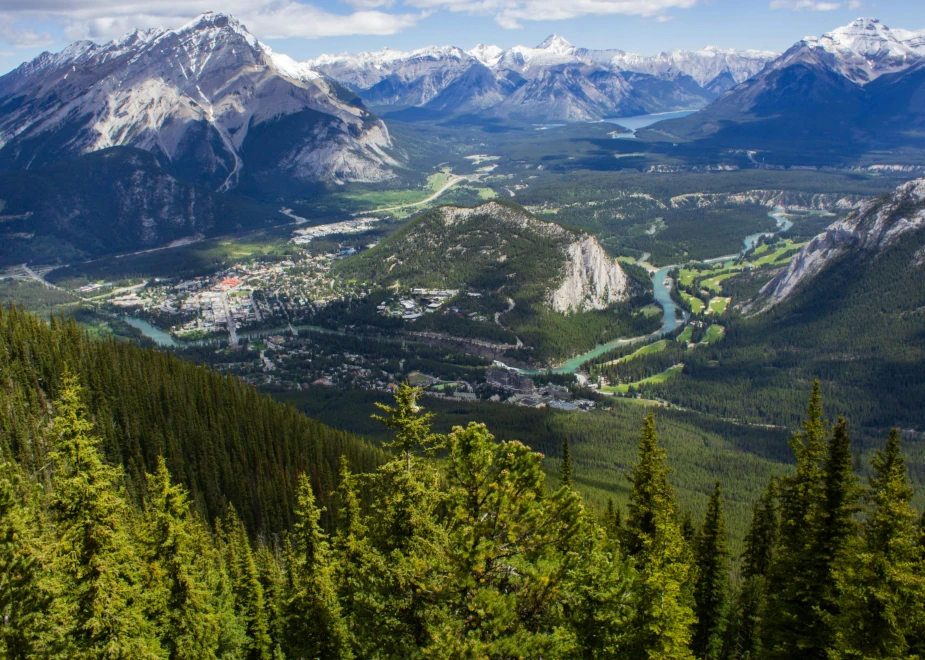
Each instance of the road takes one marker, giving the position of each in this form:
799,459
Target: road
454,179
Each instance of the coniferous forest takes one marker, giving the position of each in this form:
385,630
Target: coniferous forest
152,509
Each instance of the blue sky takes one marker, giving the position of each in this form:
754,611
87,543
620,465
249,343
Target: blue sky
305,29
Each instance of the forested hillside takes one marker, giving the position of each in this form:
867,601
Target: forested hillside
466,557
228,444
858,328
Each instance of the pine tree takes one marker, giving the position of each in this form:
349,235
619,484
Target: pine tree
711,593
884,600
745,632
649,490
508,541
664,617
25,631
185,611
791,624
565,472
94,555
314,625
836,534
250,603
411,425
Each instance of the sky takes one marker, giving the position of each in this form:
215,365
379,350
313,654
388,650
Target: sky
305,29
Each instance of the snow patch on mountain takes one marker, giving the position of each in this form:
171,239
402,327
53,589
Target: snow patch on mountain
862,51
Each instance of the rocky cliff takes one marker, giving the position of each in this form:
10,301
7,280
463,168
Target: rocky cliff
871,227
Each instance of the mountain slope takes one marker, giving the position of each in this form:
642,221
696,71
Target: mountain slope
197,97
227,443
849,310
115,200
873,227
854,89
554,288
492,246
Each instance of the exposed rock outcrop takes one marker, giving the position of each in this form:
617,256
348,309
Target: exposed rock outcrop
873,226
593,279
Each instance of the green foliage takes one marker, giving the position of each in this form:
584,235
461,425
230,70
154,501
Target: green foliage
664,616
711,592
884,584
520,257
468,554
146,404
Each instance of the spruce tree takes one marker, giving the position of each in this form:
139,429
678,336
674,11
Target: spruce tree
410,423
884,600
792,622
250,603
745,631
185,612
25,631
836,535
314,625
94,556
664,618
565,472
649,488
711,593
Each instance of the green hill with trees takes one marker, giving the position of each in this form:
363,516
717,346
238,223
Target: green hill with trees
515,262
465,555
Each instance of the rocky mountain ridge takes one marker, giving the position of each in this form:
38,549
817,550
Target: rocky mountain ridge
495,247
856,88
872,227
211,101
554,81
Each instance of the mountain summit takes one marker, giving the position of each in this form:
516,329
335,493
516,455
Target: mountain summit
213,103
855,88
556,44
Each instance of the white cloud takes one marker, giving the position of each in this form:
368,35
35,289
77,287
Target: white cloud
511,14
804,5
101,20
23,37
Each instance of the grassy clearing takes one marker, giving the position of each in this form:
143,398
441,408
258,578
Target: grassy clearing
715,283
714,334
695,303
388,198
686,335
656,379
718,305
767,257
686,277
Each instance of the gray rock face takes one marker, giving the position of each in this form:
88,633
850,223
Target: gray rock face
192,96
871,227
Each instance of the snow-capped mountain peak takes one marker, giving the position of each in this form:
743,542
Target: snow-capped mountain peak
192,95
556,44
486,54
862,50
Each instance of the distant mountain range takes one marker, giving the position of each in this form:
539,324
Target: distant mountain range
555,81
857,88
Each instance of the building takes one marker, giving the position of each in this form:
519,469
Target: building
508,379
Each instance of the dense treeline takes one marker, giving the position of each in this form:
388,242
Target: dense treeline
466,556
228,444
644,366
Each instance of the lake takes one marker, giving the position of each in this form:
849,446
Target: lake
633,124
